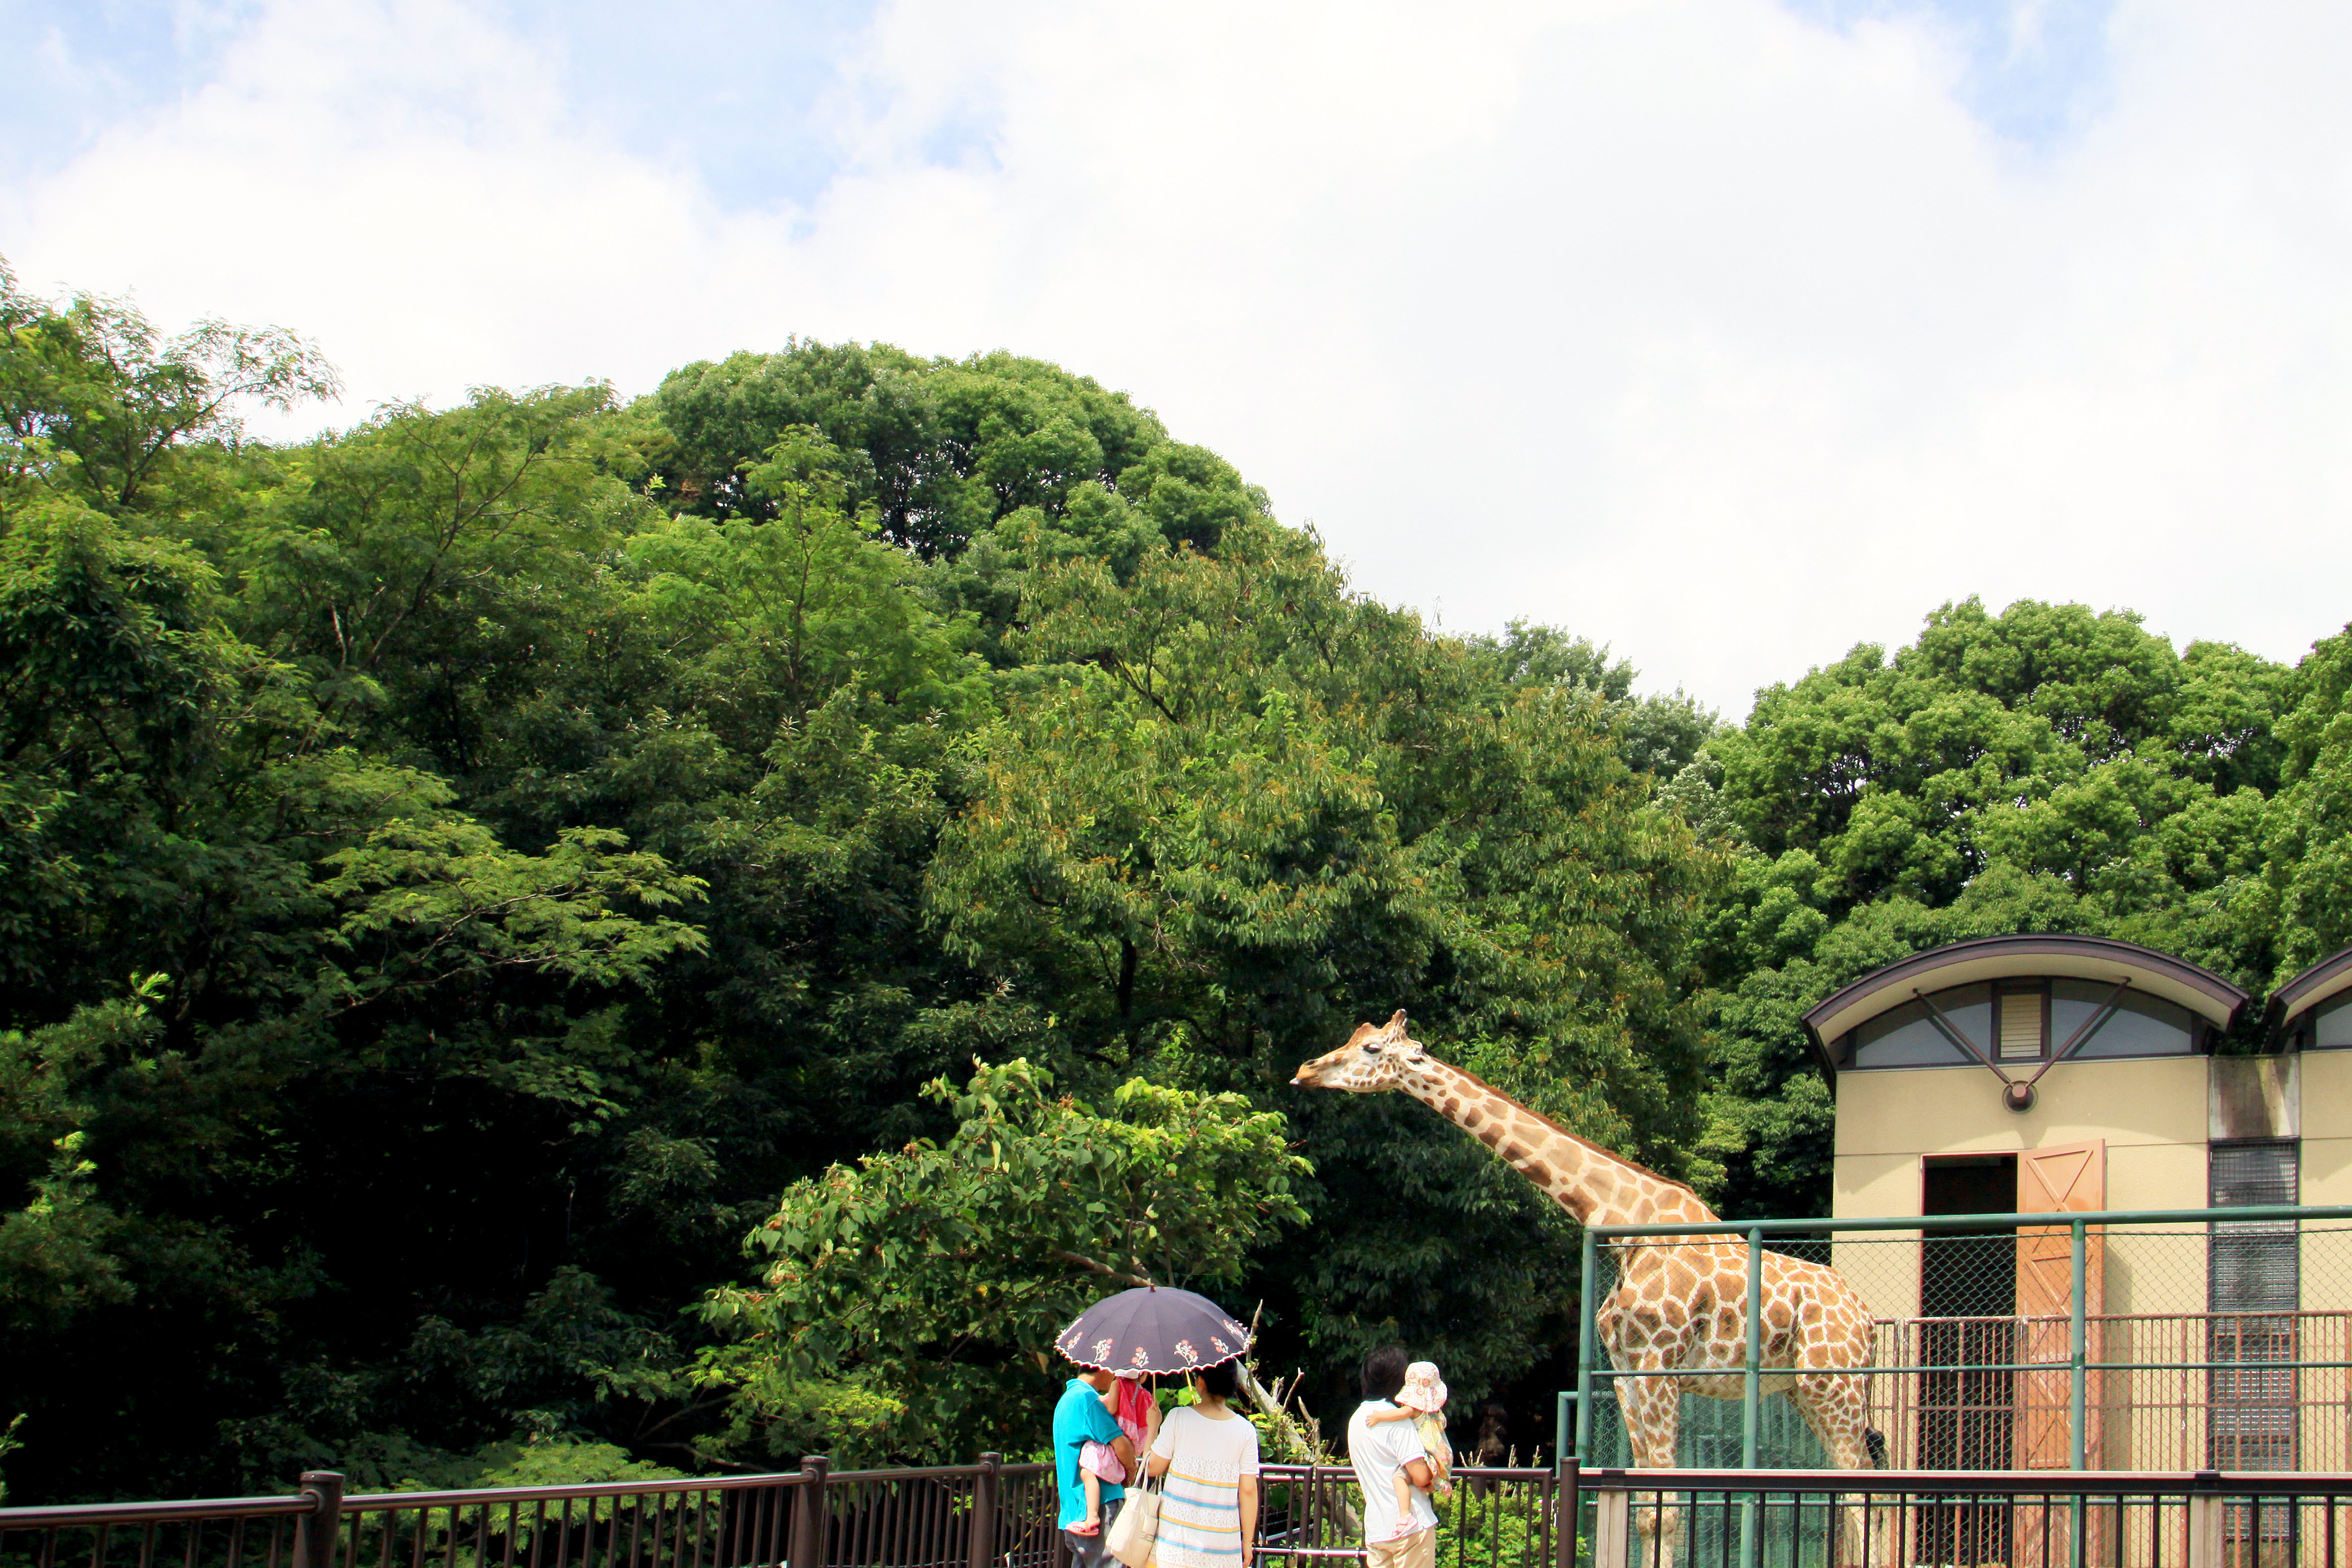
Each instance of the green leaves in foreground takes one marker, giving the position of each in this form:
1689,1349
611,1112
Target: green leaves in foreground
932,1281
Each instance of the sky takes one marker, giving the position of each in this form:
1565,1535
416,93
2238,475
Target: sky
1729,333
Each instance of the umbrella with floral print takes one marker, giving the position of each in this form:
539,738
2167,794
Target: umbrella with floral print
1154,1330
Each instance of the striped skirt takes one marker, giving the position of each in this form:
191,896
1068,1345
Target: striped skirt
1200,1523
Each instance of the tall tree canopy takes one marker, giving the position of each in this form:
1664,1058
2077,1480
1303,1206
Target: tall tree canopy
559,936
462,871
2047,769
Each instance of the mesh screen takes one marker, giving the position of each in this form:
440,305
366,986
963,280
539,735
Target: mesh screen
2253,1287
2247,1176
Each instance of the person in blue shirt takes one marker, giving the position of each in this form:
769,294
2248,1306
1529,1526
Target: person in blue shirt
1081,1417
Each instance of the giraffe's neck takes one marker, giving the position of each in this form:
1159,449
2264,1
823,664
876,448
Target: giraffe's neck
1590,1182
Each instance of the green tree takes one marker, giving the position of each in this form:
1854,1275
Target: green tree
2303,903
97,404
2045,769
322,936
920,1292
939,449
1249,809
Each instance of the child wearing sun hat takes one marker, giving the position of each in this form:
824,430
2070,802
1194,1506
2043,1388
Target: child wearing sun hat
1422,1401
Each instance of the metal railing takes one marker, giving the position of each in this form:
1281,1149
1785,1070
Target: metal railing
995,1515
230,1532
988,1515
985,1515
2032,1339
1496,1517
1839,1519
2019,1519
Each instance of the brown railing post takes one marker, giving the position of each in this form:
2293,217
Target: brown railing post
317,1532
983,1551
808,1513
1568,1490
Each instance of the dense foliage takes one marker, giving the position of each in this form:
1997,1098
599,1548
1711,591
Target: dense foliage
462,877
2048,769
903,1305
460,872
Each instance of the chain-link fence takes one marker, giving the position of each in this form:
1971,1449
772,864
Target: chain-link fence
1753,1519
2184,1341
1494,1517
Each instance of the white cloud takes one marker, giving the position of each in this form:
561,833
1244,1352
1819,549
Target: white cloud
1728,338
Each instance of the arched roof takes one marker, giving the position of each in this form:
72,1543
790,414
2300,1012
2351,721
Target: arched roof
2176,980
2307,990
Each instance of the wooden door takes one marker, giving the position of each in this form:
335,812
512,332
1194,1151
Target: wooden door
2068,1178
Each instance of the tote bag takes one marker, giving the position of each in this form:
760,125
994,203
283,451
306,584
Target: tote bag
1136,1530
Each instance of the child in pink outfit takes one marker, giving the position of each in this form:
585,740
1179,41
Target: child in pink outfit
1138,1415
1421,1401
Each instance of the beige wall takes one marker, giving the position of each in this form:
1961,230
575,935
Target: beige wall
2150,1111
2154,1115
2328,1127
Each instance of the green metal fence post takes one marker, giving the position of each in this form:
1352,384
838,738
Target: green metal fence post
2077,1349
2078,1379
1754,1384
1584,1347
1751,1397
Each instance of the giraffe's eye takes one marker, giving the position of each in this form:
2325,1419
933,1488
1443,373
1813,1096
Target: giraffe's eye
1371,1050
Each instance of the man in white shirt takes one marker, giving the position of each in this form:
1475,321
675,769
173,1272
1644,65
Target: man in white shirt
1379,1453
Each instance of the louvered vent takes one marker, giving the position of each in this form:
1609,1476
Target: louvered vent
2020,1025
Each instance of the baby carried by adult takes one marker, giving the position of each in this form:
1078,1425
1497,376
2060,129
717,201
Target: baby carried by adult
1138,1415
1421,1401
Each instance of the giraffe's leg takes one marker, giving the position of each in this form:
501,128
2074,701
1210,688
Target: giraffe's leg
1653,1410
1835,1406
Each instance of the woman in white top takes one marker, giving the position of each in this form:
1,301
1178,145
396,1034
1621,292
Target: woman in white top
1208,1452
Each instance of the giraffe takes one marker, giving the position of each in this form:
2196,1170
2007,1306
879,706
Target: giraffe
1680,1303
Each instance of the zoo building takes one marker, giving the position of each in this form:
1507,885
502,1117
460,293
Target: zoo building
1991,1084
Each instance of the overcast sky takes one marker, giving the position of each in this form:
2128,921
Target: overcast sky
1731,333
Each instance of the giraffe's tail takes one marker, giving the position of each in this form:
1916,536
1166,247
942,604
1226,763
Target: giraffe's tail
1876,1441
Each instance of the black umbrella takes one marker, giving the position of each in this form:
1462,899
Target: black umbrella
1153,1331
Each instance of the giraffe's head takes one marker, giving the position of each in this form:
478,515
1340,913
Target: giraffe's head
1371,1061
